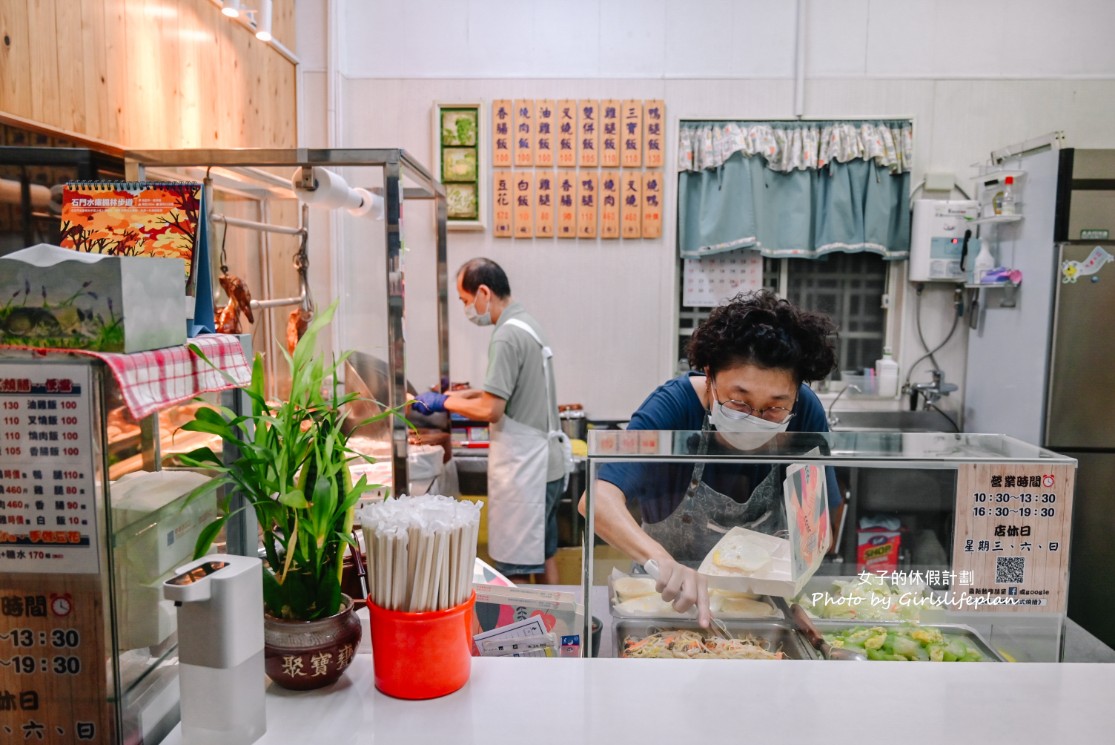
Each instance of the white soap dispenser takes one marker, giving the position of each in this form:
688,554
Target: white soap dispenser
886,375
220,649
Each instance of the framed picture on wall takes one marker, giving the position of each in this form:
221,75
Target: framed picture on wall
459,162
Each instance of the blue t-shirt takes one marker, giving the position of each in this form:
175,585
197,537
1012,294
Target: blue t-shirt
674,405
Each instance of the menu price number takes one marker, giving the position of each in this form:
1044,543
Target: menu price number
58,638
58,665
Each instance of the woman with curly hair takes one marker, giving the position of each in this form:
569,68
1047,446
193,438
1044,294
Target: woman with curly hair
751,361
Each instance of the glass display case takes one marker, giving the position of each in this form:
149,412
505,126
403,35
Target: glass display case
966,535
86,539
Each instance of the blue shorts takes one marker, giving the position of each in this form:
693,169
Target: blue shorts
553,498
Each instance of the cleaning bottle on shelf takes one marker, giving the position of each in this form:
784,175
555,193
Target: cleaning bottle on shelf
984,262
886,375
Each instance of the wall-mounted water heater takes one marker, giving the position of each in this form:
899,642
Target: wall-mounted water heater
941,245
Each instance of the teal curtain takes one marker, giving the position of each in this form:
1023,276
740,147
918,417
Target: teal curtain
794,189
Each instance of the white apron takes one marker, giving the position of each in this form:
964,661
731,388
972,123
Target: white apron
517,461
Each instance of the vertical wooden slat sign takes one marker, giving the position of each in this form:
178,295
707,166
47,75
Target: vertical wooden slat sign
544,201
655,123
544,133
567,134
609,133
524,133
631,188
586,204
501,203
588,139
631,134
502,123
567,210
652,204
523,184
609,204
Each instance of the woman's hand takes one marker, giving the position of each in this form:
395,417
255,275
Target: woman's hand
684,588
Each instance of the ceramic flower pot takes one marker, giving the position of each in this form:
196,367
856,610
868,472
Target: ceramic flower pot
301,655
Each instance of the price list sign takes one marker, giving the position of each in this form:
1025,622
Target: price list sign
1012,535
53,686
47,477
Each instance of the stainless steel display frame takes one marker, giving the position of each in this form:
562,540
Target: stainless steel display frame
397,165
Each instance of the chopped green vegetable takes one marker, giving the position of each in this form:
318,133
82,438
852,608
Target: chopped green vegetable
907,643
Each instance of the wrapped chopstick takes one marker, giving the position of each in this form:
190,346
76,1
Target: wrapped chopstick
421,551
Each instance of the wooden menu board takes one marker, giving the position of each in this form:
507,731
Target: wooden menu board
544,205
567,210
586,205
588,139
609,133
52,630
566,118
654,124
523,185
502,203
652,204
1011,539
631,134
502,125
524,133
52,660
609,204
631,189
544,133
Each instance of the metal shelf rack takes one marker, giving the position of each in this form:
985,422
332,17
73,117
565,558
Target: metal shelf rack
397,166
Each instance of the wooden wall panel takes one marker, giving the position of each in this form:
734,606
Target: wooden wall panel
95,82
15,82
43,61
144,74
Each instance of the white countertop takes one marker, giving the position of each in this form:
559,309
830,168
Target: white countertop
617,701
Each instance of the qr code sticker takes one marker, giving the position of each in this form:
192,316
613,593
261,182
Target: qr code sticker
1009,570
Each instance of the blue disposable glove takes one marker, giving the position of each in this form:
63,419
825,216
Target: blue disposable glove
429,402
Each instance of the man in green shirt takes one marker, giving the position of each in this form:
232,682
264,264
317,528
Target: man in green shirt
526,468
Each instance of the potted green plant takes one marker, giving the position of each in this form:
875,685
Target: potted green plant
292,468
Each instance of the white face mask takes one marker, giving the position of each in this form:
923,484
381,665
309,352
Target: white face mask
747,424
480,319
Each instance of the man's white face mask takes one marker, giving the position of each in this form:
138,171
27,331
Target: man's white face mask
480,319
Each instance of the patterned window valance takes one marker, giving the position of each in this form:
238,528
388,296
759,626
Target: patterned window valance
789,146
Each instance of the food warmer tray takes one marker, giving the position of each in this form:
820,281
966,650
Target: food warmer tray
775,634
949,629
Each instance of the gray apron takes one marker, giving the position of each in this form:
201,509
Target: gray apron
704,514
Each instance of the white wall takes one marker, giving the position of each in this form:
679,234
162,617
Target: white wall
975,75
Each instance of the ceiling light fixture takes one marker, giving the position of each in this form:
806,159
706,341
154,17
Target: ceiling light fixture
263,21
231,8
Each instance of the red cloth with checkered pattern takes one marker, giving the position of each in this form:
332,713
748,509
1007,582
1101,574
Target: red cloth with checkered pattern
150,381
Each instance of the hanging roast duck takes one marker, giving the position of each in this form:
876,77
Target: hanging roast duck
239,301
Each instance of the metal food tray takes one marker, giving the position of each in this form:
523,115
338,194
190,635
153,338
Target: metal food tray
613,607
949,629
777,635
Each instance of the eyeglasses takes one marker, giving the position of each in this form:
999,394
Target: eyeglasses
741,410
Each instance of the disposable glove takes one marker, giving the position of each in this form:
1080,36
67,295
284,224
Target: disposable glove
429,402
681,586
